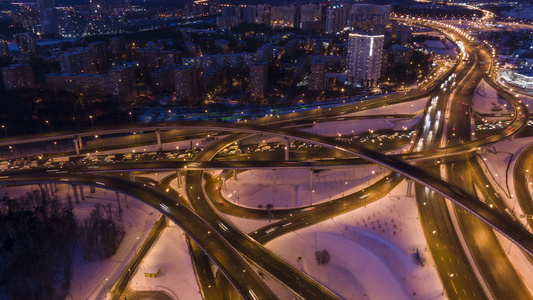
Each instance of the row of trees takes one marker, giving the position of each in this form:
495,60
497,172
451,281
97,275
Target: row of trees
39,237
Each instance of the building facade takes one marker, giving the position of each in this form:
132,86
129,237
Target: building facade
258,80
364,59
18,76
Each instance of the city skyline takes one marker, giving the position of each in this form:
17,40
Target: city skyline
295,150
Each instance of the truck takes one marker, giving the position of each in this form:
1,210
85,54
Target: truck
56,160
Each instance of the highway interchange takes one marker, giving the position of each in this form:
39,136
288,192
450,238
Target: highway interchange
482,270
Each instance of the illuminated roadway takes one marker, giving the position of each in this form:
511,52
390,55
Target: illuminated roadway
242,276
470,203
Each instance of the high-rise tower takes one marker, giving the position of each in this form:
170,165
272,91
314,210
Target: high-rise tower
364,59
48,16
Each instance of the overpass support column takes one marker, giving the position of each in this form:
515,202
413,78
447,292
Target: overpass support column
81,192
158,136
310,180
75,141
287,147
127,201
132,177
76,197
48,192
178,178
235,174
118,201
409,188
274,175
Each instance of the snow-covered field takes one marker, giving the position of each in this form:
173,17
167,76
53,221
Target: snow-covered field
486,101
170,255
91,280
290,188
370,251
499,169
522,12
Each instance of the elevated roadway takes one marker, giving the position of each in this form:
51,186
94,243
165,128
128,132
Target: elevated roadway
241,275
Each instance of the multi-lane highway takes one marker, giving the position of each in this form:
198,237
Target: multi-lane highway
242,276
446,131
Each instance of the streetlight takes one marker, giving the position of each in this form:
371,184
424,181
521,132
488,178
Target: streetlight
5,129
48,123
373,172
344,188
131,117
92,122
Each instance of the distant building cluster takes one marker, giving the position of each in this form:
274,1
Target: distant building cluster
331,18
99,17
338,45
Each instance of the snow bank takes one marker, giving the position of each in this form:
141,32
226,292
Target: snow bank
170,255
487,101
370,251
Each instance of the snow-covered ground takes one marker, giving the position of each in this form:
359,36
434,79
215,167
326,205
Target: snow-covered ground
351,127
499,168
91,280
486,101
371,252
290,188
521,12
170,255
348,127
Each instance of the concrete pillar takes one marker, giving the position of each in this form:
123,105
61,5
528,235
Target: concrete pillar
178,177
118,201
93,189
46,189
132,177
235,174
76,197
126,200
158,136
75,141
274,180
287,147
409,187
81,192
310,179
51,187
43,193
80,143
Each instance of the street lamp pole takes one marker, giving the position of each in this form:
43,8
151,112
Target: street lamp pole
344,187
5,129
373,172
48,123
92,122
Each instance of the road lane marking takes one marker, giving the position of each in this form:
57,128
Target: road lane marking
453,285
